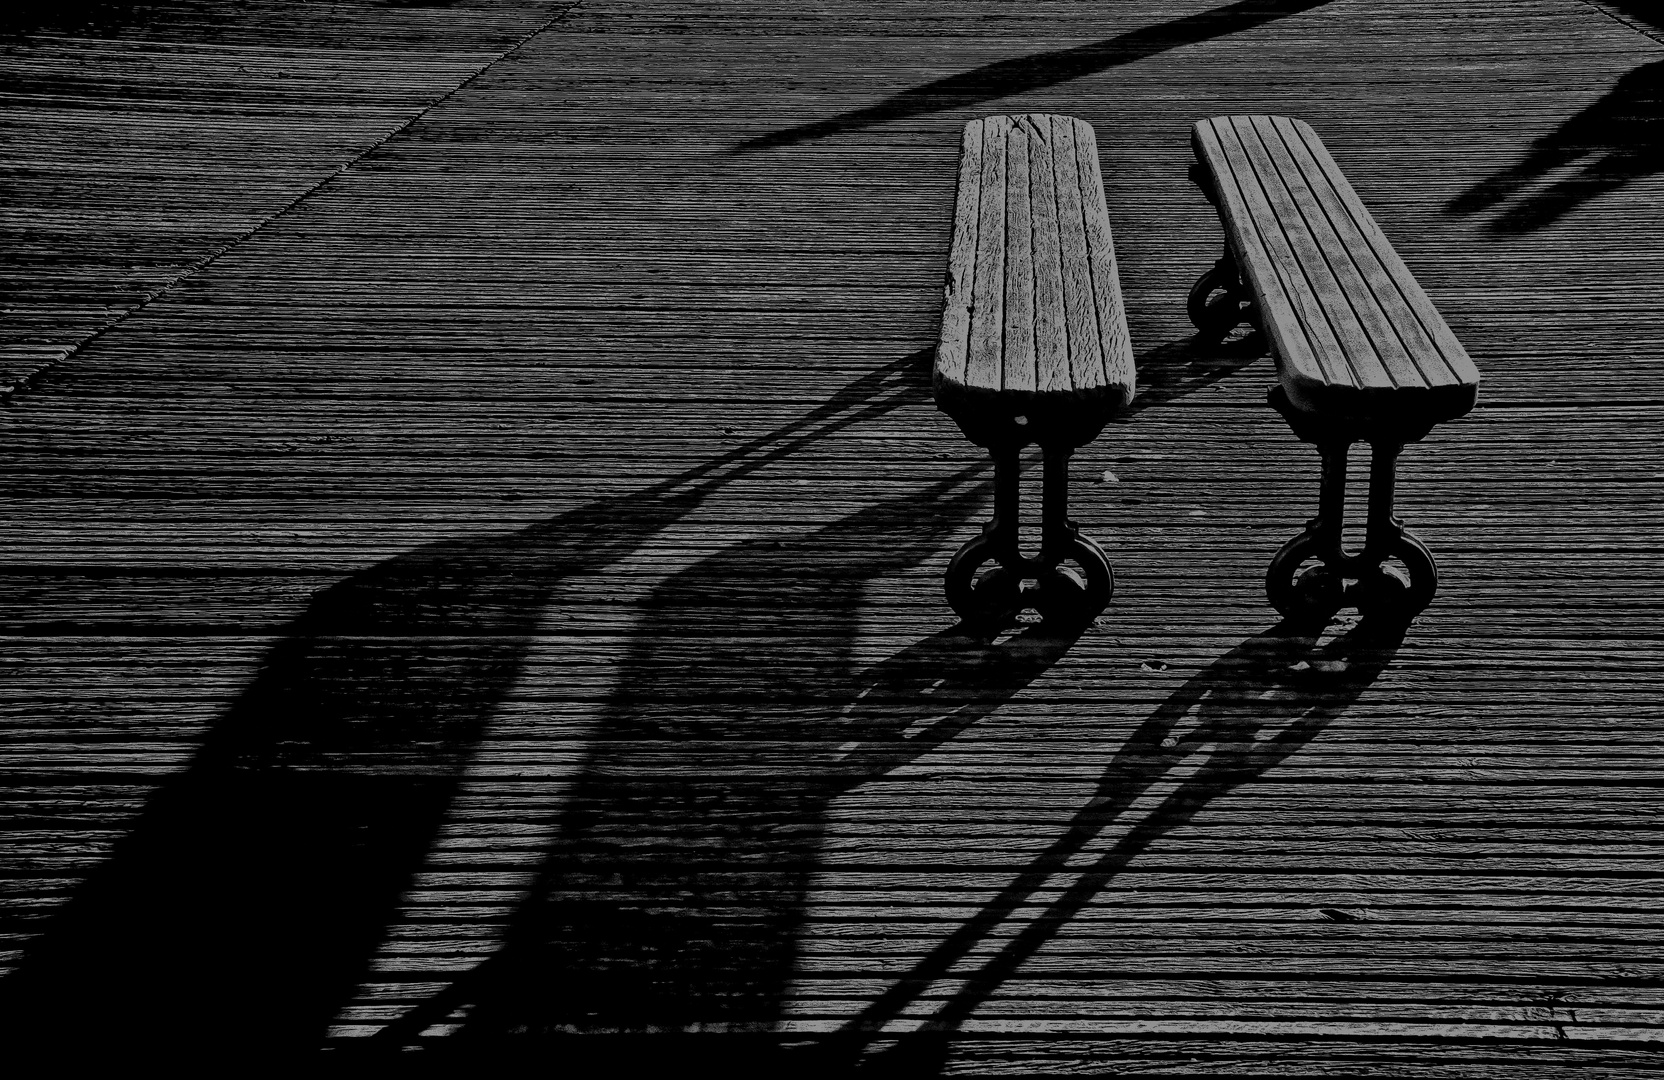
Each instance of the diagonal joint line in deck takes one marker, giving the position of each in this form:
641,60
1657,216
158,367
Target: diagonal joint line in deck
1615,17
29,379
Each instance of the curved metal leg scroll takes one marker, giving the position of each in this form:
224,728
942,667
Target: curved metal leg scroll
1218,303
1066,593
987,578
994,595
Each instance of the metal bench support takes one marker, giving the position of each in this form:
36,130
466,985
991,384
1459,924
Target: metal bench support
1033,350
1362,354
1340,578
1014,581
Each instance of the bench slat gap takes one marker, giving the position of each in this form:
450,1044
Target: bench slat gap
1106,282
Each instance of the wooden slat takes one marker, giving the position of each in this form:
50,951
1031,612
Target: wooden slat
985,365
1113,369
1051,327
1017,364
954,344
1086,343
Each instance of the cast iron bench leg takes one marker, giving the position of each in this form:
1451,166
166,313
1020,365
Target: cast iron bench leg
1341,579
1059,591
1064,591
1218,303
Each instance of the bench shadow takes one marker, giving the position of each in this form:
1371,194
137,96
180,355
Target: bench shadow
1039,70
1615,141
244,904
1245,713
673,893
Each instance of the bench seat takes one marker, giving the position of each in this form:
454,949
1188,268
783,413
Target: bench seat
1033,331
1354,335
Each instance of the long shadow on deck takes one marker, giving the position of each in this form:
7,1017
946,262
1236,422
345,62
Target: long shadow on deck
1254,706
1609,145
244,905
1034,72
673,894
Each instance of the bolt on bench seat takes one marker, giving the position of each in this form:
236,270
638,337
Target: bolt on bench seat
1362,354
1033,349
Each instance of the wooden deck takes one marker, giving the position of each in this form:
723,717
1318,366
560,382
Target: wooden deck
475,524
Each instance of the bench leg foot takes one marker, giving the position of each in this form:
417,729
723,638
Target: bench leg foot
1064,593
1218,302
992,596
1313,573
1058,591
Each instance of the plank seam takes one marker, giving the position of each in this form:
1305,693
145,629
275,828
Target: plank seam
29,379
1621,21
1084,184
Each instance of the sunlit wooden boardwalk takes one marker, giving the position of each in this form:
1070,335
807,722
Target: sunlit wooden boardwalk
475,525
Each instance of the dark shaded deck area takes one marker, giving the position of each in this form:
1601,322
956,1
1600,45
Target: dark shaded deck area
476,516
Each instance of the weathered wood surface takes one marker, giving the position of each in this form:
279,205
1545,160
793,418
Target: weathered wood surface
1032,318
1352,331
527,545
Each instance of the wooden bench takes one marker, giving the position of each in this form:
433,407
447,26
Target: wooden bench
1033,350
1362,354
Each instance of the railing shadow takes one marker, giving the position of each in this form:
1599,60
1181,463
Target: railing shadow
1039,70
1248,711
1609,145
244,905
242,908
673,894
